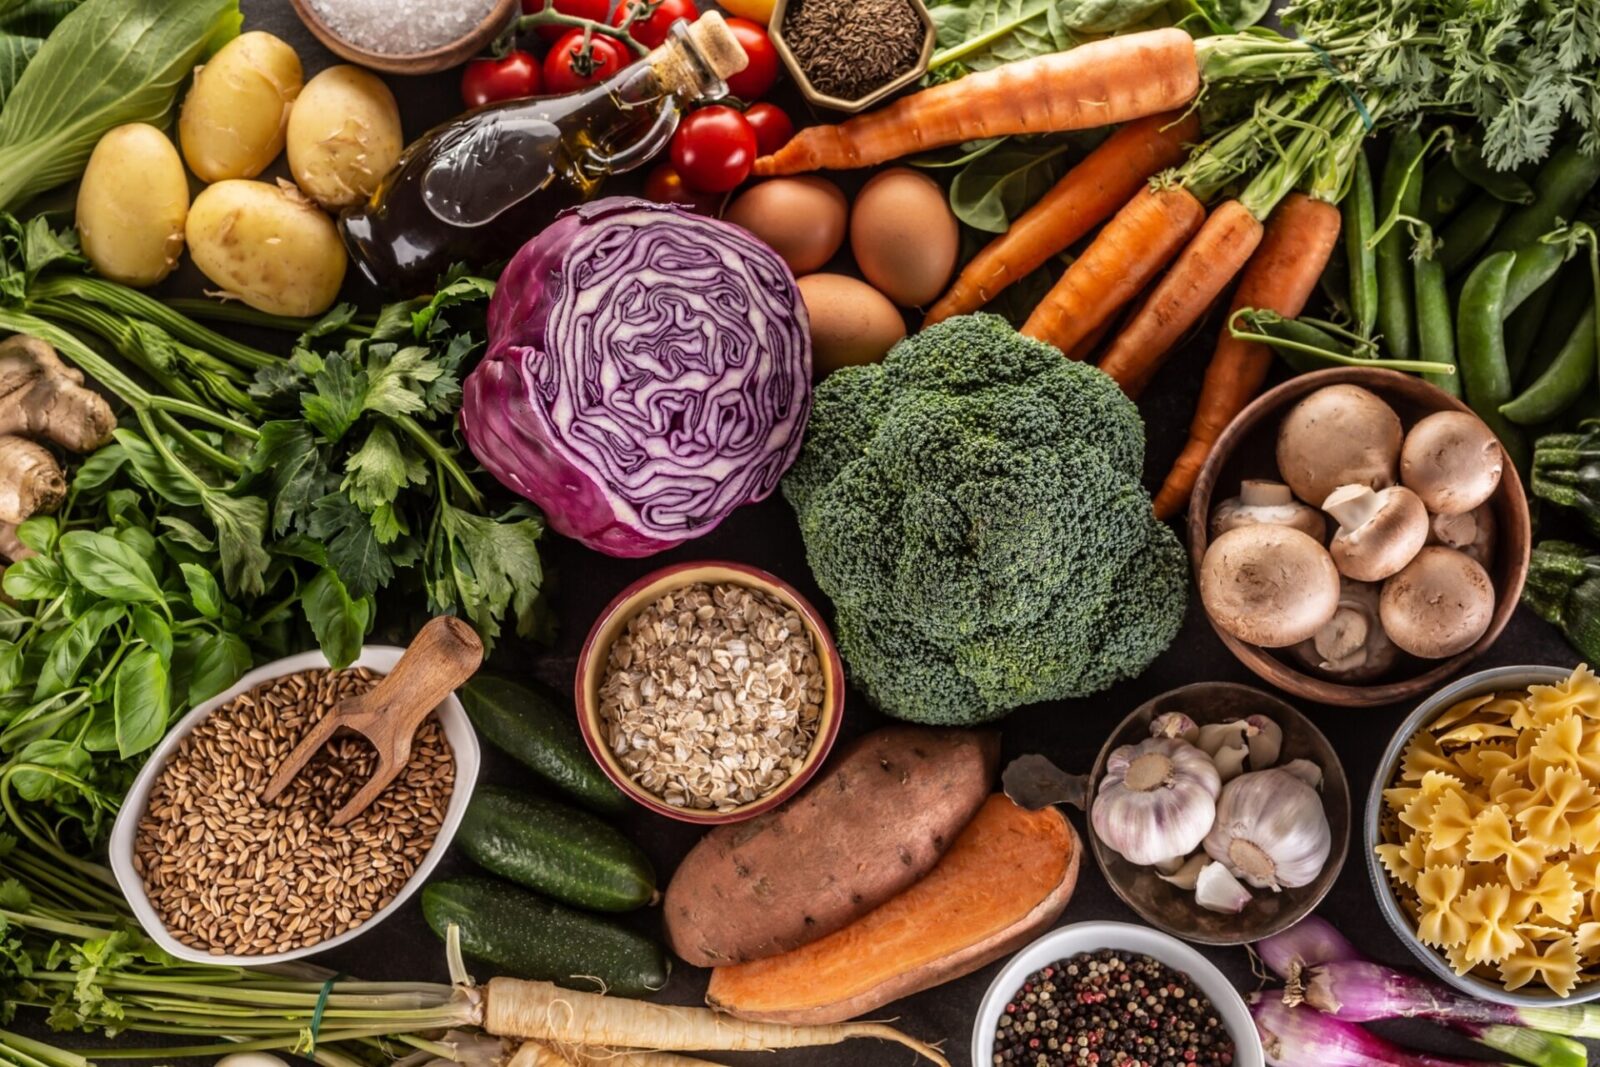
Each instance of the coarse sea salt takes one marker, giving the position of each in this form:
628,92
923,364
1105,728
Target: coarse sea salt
401,27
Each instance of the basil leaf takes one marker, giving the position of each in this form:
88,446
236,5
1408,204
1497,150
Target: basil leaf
152,630
108,567
76,643
207,664
58,755
100,468
203,590
10,665
34,578
39,533
339,621
108,63
140,701
186,533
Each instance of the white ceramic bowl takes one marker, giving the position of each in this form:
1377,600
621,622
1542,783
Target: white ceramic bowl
1069,941
381,658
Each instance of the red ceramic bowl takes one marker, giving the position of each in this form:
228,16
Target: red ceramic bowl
614,619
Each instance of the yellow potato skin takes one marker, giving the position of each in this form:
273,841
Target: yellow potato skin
132,205
344,136
234,117
267,245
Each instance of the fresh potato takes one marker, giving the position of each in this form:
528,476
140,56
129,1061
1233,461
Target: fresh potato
864,831
344,135
267,245
233,119
132,205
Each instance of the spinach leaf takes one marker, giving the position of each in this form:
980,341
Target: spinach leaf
107,63
140,701
988,33
991,191
108,567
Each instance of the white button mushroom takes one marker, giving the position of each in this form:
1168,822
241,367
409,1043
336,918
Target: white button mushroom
1269,585
1471,532
1379,532
1439,605
1266,502
1339,435
1351,646
1452,461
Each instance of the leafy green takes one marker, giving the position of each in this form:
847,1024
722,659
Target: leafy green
1008,30
24,24
107,63
141,700
995,188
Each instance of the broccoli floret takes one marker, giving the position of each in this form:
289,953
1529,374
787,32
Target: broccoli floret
972,506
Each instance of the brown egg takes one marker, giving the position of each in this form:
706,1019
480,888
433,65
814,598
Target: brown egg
801,218
851,322
904,236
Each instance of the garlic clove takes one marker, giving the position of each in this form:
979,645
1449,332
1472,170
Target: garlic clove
1215,735
1305,770
1175,724
1230,760
1185,875
1265,740
1217,890
1170,866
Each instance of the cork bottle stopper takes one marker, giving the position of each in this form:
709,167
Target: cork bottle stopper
717,45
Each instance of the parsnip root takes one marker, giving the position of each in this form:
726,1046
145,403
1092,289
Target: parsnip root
562,1018
533,1054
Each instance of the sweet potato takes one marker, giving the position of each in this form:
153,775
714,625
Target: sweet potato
865,830
1007,878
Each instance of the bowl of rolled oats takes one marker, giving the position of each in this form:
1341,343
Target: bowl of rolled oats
710,692
216,875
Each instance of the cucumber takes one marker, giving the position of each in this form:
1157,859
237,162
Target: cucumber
526,936
560,851
534,727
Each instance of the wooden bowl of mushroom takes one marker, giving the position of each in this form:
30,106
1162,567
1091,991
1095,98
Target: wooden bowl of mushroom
1358,536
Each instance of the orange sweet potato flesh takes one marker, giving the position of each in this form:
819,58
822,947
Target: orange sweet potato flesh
875,821
1006,879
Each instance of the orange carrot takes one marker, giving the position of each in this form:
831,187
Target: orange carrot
1206,267
1097,84
1280,277
1080,201
1126,253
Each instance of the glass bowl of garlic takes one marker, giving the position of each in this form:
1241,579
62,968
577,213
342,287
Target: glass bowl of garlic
1217,811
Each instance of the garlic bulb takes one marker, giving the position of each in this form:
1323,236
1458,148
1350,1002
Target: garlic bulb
1271,830
1156,800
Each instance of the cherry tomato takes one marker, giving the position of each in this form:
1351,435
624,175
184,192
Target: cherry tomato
714,149
665,186
757,11
567,68
593,10
512,75
753,81
650,29
772,126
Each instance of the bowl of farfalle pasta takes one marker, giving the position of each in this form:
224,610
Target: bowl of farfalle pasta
1483,834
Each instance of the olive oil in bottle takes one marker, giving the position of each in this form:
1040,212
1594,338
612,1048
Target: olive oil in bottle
475,189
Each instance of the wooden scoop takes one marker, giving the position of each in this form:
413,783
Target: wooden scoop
443,655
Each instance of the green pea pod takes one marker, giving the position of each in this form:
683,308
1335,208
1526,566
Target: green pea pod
1559,188
1480,335
1335,281
1400,192
1445,190
1436,334
1470,232
1559,321
1306,347
1360,219
1567,378
1535,268
1505,185
1523,325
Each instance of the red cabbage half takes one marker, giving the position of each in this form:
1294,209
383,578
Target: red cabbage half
648,371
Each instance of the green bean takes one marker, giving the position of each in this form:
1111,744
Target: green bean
1505,185
1560,320
1470,232
1568,377
1559,188
1360,257
1400,198
1436,337
1444,191
1523,325
1536,266
1480,334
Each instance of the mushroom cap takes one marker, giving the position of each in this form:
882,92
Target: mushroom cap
1339,435
1351,646
1453,461
1472,532
1379,533
1271,586
1439,605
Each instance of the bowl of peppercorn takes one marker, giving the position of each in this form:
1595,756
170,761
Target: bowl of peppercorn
1121,989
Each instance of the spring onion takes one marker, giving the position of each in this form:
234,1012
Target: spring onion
1294,1036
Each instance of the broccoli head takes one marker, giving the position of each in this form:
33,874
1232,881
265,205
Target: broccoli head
972,505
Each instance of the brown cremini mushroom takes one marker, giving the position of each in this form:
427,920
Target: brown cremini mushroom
1471,532
1439,605
1339,435
1269,585
1452,461
1379,532
1352,645
1270,503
